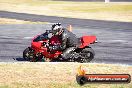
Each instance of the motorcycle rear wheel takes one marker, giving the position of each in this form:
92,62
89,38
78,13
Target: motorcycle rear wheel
87,54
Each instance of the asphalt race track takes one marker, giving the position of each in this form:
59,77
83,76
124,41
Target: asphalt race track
115,38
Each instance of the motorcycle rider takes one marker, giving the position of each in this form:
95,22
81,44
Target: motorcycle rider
69,41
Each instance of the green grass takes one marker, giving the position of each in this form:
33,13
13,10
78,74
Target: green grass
64,85
75,6
114,11
33,2
56,75
4,86
101,8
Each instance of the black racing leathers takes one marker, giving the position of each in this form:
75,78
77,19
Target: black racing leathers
68,39
69,43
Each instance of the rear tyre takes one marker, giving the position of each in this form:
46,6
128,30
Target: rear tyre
28,54
87,54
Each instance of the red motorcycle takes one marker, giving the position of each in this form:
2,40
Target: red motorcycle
39,49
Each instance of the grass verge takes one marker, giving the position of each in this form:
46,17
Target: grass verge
55,75
121,11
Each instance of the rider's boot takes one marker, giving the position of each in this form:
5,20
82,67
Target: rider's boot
66,53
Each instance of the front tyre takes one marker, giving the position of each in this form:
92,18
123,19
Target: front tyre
87,54
28,54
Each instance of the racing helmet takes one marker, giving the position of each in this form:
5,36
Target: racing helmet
56,28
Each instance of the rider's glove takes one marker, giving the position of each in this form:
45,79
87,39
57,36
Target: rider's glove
51,48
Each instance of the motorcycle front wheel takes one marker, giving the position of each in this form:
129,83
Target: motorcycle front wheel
28,54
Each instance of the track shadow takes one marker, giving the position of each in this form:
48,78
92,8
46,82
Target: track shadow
81,0
20,59
95,0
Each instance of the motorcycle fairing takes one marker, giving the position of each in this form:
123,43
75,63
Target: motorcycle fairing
87,40
37,46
